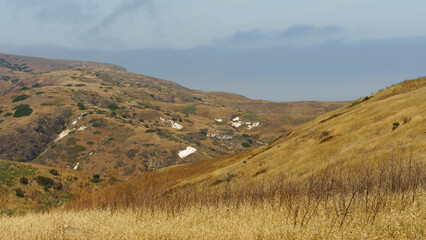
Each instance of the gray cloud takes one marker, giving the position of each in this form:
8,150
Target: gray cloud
99,37
70,11
309,30
128,7
299,35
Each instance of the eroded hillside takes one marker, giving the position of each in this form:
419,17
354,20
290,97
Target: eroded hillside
98,118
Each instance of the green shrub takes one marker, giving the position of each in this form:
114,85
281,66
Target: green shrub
150,130
217,182
54,172
80,85
96,178
359,101
190,110
113,107
58,186
78,148
19,193
22,111
7,211
98,125
164,133
81,106
250,116
24,180
20,98
246,144
68,85
36,85
8,114
395,125
90,143
39,93
24,88
45,181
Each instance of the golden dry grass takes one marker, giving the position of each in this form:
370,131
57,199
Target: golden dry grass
267,220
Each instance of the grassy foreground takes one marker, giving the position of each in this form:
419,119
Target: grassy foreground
388,202
267,220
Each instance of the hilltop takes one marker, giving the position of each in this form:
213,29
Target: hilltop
100,118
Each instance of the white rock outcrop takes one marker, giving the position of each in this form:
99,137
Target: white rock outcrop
188,151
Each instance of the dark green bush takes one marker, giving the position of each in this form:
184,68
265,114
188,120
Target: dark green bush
150,131
190,109
22,111
80,85
246,144
23,180
19,193
81,106
39,93
54,172
98,125
78,148
8,114
203,132
113,107
96,178
395,125
20,98
45,181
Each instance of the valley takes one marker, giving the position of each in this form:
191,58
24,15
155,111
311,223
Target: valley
97,152
99,118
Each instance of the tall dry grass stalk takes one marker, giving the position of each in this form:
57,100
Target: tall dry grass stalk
377,200
262,220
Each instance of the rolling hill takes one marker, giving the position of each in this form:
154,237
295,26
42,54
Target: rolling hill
386,127
100,118
355,173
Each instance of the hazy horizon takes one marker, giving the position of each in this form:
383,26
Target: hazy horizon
272,50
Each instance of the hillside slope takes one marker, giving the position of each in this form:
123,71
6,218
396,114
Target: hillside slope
30,187
354,173
100,118
388,127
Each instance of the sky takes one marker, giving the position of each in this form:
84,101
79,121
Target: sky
273,49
